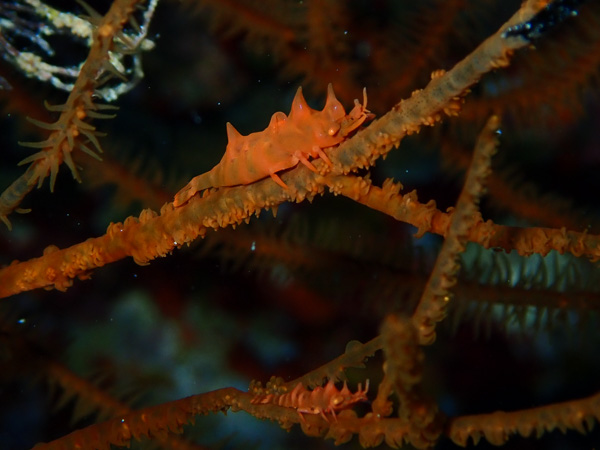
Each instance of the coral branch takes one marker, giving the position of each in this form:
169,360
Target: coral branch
150,237
332,282
156,421
71,130
403,371
499,426
427,218
355,355
434,301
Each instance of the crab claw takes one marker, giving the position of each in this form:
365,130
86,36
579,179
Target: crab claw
357,116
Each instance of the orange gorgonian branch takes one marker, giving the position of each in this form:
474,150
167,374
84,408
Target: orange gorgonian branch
151,235
376,285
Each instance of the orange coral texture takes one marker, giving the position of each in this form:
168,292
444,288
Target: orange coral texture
260,172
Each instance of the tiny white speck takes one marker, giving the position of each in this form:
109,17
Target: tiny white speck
253,246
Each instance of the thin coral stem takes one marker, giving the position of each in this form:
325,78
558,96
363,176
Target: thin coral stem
499,426
13,195
170,417
427,218
67,132
403,370
155,421
434,301
355,355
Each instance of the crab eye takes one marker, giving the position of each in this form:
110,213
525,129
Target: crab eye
333,129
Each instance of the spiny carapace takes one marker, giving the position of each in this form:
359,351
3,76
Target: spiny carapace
321,400
287,140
